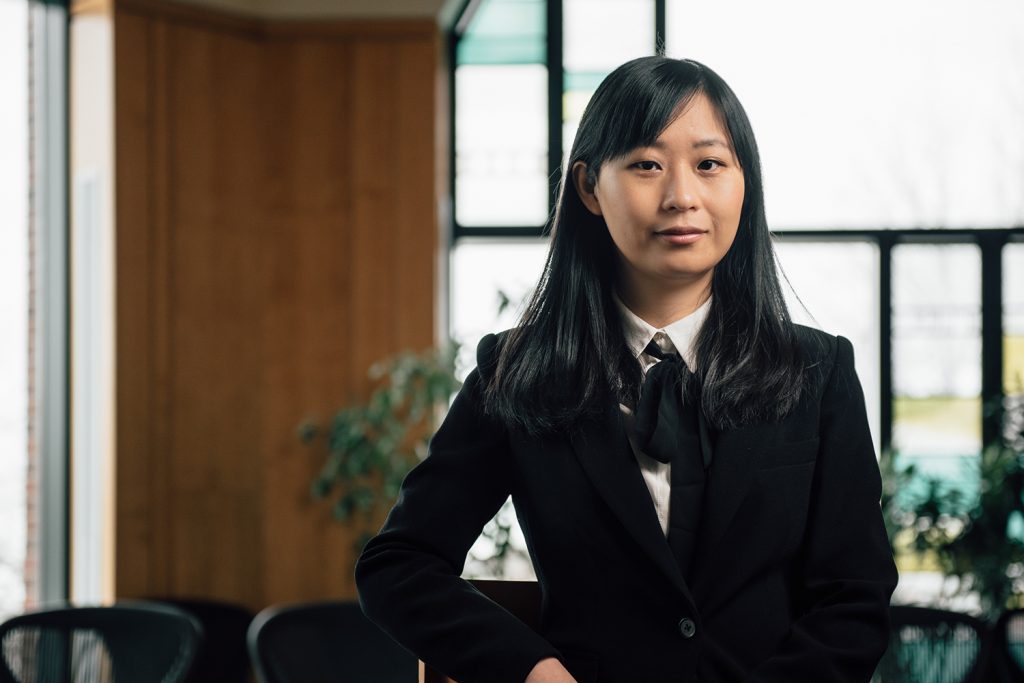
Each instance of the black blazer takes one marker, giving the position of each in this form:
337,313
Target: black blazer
790,581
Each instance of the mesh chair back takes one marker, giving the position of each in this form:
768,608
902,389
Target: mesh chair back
325,642
222,656
1013,631
124,643
933,646
1010,638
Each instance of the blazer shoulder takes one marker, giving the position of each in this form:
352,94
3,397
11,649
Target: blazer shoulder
488,351
824,354
814,343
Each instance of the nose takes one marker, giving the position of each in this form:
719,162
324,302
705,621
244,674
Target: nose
680,191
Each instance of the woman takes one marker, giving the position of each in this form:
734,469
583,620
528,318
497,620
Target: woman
692,471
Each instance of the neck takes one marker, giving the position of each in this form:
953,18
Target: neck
660,306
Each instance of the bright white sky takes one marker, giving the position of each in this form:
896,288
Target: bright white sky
13,293
875,113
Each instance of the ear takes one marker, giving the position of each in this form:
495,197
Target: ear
586,184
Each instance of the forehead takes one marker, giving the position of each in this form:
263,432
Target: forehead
696,123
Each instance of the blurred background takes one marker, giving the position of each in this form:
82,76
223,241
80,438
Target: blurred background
218,215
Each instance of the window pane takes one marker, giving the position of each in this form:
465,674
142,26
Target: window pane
885,114
598,36
14,296
601,34
490,282
501,149
835,289
501,104
937,360
505,32
1013,319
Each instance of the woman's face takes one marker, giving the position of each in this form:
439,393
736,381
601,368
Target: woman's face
673,208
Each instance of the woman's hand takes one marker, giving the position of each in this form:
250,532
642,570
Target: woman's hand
549,670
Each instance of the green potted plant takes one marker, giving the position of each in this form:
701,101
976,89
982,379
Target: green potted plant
369,447
978,542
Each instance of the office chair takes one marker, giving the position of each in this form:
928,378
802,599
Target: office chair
223,656
934,646
126,642
1008,648
325,642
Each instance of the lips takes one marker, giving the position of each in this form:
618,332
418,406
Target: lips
687,230
681,236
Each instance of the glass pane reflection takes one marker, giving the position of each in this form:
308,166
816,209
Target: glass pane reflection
501,150
14,312
834,287
484,275
488,275
1013,319
937,360
859,121
598,36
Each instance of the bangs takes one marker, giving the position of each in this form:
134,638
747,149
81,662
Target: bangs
638,104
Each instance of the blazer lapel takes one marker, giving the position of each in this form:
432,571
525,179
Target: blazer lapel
605,454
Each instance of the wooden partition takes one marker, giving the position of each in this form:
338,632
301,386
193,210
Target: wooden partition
276,202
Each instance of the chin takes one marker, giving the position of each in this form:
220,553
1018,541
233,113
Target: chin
682,276
688,269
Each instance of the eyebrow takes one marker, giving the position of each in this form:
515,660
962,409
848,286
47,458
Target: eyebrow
706,142
711,142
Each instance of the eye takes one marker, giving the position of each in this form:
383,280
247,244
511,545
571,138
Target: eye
646,165
710,165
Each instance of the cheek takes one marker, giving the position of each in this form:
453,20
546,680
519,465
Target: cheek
622,224
736,200
732,208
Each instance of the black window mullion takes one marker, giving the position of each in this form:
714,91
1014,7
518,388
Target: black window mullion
659,27
991,335
453,45
556,88
885,244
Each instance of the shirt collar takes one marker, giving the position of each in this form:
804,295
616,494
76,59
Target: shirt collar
676,335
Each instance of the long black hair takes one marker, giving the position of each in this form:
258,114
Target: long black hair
568,356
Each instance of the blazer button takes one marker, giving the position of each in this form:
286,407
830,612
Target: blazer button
687,628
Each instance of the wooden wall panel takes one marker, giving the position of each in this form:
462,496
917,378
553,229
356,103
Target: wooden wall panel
414,83
217,279
133,332
311,342
277,234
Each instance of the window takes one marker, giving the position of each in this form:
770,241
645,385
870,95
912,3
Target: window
501,81
33,311
876,114
936,348
14,305
892,158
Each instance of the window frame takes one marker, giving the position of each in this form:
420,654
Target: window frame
989,240
50,340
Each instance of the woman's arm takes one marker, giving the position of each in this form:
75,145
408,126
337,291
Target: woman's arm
847,572
408,575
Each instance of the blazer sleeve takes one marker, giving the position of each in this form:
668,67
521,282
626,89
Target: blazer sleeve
847,573
408,576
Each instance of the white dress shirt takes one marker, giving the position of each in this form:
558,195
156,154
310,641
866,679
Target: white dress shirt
676,337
